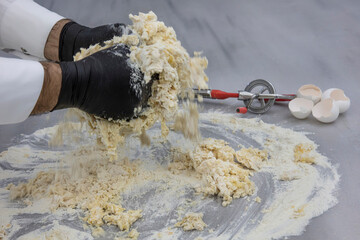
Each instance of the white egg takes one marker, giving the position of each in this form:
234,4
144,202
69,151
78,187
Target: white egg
301,107
339,97
310,92
326,111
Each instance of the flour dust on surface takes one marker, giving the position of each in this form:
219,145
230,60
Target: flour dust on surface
149,193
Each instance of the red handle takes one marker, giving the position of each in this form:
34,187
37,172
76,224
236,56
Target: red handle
218,94
241,110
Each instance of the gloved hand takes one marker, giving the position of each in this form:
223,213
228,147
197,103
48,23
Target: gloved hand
67,37
74,36
105,84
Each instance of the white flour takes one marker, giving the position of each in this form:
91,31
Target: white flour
310,193
285,208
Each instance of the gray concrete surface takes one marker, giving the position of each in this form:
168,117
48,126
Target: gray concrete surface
289,43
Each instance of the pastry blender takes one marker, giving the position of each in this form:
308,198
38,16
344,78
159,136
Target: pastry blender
258,96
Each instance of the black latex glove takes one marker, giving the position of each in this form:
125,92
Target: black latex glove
74,36
104,84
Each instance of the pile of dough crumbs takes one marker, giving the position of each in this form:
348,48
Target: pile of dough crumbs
101,190
155,50
192,221
95,184
214,161
3,231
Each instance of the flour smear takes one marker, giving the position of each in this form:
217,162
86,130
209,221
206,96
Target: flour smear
288,193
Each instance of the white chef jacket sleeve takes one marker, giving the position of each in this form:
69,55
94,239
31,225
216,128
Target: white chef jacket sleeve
25,26
20,86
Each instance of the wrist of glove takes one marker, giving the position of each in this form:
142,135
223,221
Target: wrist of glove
104,84
74,36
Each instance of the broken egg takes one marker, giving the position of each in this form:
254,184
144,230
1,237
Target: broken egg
326,111
301,107
339,97
310,92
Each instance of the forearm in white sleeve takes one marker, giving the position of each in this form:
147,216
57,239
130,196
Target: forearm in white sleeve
20,86
25,26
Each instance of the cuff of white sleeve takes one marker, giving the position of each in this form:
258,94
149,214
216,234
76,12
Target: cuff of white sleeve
25,26
20,87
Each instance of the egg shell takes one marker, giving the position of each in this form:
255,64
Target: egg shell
339,97
311,92
301,107
326,111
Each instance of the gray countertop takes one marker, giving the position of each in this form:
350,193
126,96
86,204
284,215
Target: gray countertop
290,43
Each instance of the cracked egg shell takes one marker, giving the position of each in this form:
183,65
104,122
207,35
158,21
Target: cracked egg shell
301,107
339,97
311,92
326,111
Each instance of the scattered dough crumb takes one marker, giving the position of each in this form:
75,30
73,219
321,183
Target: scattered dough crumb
55,234
304,152
133,234
27,202
192,221
290,175
252,158
97,231
257,199
187,121
266,210
299,212
3,231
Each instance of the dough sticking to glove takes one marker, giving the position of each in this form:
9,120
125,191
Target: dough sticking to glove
74,36
154,50
104,84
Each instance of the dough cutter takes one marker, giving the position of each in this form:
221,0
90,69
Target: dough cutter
258,96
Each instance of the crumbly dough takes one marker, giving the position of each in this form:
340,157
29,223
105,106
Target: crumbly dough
171,191
93,185
133,234
305,153
192,221
252,158
257,199
187,121
155,50
97,231
299,212
214,161
3,231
